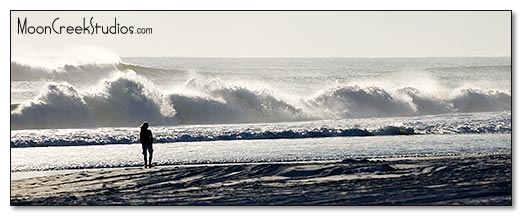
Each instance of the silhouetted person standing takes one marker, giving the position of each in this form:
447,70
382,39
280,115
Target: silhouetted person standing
146,143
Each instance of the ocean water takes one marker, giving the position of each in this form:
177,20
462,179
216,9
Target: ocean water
86,114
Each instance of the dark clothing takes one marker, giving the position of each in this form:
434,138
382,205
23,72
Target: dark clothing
147,147
146,137
146,141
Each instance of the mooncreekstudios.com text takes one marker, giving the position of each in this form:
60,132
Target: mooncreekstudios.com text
87,27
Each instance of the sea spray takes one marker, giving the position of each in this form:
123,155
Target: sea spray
128,99
122,101
105,94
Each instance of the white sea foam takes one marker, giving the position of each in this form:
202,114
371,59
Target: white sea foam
123,100
457,123
127,99
122,94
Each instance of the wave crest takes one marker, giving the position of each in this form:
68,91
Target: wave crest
357,102
473,100
122,101
129,99
20,72
171,136
456,123
59,106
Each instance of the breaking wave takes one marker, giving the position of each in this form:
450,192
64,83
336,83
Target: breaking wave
363,102
233,105
74,73
128,97
122,101
183,136
457,123
67,72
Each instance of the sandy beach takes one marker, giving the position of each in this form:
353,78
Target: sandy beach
460,180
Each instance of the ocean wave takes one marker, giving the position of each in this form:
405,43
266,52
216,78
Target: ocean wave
128,98
122,101
73,138
473,123
358,102
233,105
67,72
473,100
363,102
80,72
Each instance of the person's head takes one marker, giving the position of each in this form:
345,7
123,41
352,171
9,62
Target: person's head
144,126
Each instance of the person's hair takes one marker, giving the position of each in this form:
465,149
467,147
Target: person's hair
144,126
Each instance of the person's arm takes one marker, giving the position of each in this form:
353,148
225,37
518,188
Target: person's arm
151,139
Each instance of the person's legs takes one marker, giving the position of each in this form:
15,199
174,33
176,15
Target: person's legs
144,148
150,155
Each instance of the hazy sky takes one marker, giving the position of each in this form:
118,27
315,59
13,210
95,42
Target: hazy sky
280,34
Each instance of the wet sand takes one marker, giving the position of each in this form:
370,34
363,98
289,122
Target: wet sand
460,180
